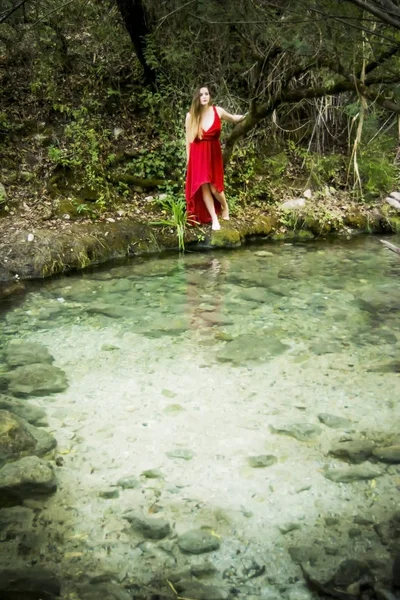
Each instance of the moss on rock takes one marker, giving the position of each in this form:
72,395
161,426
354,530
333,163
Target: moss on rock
225,238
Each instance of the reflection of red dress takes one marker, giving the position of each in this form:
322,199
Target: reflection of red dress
205,166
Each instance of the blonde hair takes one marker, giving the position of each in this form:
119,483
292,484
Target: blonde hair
195,111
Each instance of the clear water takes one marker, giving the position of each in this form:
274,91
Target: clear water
207,353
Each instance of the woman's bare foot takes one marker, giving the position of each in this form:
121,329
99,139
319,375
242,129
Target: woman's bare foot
225,213
215,226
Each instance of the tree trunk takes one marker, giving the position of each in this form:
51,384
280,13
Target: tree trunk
134,16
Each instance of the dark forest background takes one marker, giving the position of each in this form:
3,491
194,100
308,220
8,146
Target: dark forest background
94,94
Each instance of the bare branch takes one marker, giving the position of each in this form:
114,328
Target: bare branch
12,10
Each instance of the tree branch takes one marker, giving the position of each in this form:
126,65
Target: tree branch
372,9
294,96
12,10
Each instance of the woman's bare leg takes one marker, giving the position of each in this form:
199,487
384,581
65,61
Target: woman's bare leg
220,196
209,202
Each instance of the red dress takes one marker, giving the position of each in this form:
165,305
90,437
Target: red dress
205,166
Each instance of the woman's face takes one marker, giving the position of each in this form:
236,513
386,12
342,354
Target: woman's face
204,96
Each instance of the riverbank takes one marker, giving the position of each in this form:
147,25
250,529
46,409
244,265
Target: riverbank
34,248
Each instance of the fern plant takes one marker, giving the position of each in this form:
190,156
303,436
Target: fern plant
176,207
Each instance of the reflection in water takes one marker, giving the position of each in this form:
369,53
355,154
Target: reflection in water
205,292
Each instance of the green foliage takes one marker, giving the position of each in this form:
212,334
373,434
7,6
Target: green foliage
378,172
85,150
175,207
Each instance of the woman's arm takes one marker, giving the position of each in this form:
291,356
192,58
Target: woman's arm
225,116
187,123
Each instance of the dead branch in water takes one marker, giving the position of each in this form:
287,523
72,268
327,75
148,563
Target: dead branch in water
391,247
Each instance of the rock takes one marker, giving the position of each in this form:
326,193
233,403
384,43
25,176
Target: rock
288,527
261,461
109,494
304,432
351,571
112,311
304,554
255,294
356,451
128,483
45,442
195,590
198,541
103,591
154,529
263,253
183,453
396,571
153,474
334,422
35,380
28,477
3,194
298,592
29,584
293,204
390,454
251,347
15,439
20,353
389,531
393,202
25,410
351,474
307,194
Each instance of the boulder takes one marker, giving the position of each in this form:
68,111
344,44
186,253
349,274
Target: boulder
15,439
35,380
19,438
356,451
28,477
29,584
25,410
154,529
293,204
393,203
198,541
19,353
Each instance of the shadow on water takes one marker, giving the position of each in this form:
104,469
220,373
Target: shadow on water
229,429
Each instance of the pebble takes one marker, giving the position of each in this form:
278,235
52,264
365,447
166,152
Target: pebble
198,541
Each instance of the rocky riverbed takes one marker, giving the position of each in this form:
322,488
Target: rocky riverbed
209,428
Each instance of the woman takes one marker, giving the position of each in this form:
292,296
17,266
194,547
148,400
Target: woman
205,197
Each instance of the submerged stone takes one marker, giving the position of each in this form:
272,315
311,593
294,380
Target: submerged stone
36,380
28,477
195,590
356,451
154,529
334,421
182,453
104,591
112,311
20,353
351,474
261,461
304,432
31,583
25,410
198,541
390,454
251,347
128,483
15,439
